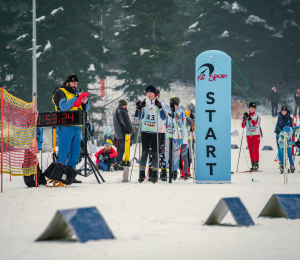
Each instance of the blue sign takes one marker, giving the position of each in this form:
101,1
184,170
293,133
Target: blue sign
213,117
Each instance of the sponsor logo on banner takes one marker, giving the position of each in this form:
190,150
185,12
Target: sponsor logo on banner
150,123
210,68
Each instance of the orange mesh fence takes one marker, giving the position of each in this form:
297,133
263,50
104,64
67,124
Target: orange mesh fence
18,135
238,109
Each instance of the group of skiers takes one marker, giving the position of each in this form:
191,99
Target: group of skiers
159,123
284,129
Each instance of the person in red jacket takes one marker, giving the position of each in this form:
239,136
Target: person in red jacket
106,157
251,121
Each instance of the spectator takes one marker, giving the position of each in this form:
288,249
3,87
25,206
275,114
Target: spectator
123,127
284,119
106,157
297,99
274,101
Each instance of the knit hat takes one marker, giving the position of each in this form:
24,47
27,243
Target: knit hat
284,108
122,102
175,100
72,78
151,88
273,88
252,104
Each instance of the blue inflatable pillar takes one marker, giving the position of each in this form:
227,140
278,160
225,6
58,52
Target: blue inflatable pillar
213,117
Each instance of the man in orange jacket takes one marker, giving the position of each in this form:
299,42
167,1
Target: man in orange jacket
106,157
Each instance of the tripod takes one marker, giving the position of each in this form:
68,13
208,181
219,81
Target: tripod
86,155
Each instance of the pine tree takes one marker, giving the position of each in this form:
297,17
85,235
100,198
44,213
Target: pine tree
68,41
146,50
8,10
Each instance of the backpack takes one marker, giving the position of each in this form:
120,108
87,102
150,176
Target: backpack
59,172
30,180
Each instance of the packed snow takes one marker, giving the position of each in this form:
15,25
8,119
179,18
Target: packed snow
142,51
157,221
92,67
225,34
22,37
40,19
48,46
55,10
193,25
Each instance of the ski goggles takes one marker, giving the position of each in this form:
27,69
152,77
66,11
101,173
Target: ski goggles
108,143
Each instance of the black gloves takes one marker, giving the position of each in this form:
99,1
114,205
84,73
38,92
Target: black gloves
192,116
172,105
102,157
157,103
247,117
140,104
297,144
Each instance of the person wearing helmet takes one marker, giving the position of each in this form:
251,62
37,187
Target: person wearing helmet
106,157
69,137
288,133
251,121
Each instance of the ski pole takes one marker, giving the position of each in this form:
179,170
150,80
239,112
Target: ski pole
182,165
157,140
137,139
240,150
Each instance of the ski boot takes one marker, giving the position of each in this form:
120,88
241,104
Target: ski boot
163,175
189,173
279,165
112,167
281,169
141,176
252,169
150,174
292,170
154,176
175,175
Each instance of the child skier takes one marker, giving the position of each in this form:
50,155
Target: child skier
289,132
106,157
174,126
152,115
251,121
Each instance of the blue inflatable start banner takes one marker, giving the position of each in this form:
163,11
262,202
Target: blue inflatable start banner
213,117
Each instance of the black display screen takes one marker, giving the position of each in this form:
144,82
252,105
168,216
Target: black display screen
60,118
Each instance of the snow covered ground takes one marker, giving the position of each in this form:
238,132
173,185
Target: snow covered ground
156,221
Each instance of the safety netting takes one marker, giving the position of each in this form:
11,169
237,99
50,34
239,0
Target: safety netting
18,131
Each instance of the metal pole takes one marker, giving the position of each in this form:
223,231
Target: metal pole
34,89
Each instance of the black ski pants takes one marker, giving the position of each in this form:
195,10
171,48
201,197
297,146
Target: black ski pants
274,108
120,149
147,140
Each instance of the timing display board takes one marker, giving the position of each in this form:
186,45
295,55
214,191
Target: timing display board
60,118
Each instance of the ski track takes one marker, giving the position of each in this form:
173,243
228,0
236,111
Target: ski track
156,221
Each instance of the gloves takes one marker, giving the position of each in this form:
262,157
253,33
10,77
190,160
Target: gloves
102,157
140,105
157,103
247,117
297,144
192,116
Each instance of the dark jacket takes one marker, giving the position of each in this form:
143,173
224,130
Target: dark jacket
297,98
122,123
274,97
283,121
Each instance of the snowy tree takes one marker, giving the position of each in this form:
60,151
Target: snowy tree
68,41
146,50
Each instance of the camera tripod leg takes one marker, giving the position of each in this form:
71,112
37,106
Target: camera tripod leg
95,170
